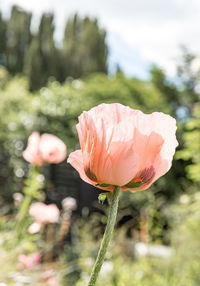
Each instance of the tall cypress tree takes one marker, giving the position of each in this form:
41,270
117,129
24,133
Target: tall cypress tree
71,45
33,64
2,40
94,49
47,45
84,48
41,57
18,39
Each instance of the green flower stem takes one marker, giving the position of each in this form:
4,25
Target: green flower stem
107,236
30,192
23,211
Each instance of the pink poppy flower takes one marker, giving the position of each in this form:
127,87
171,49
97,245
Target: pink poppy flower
46,148
34,227
30,261
48,276
124,147
32,152
43,214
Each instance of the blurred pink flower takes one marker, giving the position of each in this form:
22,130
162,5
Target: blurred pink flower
52,281
32,152
46,148
34,227
43,214
122,146
29,261
49,277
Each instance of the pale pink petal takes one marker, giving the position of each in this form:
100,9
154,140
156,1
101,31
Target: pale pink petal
51,214
36,257
32,153
111,115
147,147
52,149
162,166
163,125
155,143
52,281
44,213
107,148
76,160
25,260
30,261
34,227
37,210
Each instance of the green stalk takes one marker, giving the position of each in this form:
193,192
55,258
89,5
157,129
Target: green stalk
107,236
22,215
30,192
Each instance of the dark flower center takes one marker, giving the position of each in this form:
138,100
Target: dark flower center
147,174
90,175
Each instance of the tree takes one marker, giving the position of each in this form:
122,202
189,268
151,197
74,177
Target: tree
3,26
18,39
188,72
191,150
41,57
33,64
167,88
84,48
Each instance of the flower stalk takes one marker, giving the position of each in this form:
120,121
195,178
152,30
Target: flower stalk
107,236
32,185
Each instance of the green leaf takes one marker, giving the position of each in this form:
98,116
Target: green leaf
133,185
103,185
102,197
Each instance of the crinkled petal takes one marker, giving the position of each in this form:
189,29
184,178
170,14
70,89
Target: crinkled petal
76,160
106,139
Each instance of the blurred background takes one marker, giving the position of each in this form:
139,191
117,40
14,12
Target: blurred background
58,58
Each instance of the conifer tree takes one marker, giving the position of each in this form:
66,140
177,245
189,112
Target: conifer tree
18,39
41,57
2,40
33,64
84,48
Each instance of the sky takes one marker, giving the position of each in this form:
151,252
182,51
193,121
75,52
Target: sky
139,33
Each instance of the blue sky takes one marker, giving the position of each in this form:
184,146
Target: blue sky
138,32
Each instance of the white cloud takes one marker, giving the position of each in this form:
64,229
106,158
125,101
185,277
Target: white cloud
139,32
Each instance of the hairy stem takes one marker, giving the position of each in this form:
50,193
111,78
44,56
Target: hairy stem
107,236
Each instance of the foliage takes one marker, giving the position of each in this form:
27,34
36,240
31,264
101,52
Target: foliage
38,56
40,61
122,267
3,39
166,87
12,273
55,109
84,50
191,150
188,71
18,37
